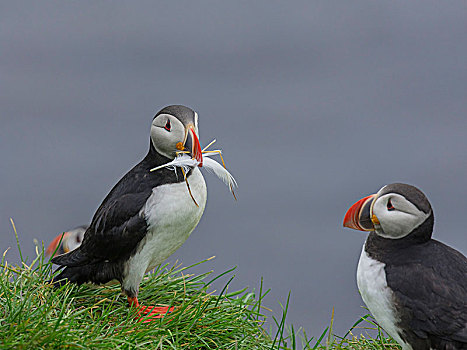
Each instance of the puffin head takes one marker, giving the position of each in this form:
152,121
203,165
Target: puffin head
66,242
174,129
396,211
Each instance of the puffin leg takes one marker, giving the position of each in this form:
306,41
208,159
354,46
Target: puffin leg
148,313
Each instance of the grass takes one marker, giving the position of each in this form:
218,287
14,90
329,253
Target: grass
34,315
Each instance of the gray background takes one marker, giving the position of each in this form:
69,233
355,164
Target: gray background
314,103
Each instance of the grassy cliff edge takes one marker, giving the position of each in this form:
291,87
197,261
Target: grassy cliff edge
36,315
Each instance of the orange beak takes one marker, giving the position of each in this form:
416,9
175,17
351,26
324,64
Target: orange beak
193,145
54,245
358,216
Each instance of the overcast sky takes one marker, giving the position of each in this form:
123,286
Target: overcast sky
314,103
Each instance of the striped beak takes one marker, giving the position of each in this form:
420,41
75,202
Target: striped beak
58,245
66,241
358,217
192,144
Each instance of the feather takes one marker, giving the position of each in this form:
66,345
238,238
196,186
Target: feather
221,172
185,162
182,161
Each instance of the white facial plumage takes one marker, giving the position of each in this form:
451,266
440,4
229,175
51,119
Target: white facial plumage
396,215
196,124
166,132
75,239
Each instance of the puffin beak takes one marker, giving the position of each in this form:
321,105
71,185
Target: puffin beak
192,144
358,216
62,249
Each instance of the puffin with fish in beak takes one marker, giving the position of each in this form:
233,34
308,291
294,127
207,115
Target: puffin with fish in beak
149,213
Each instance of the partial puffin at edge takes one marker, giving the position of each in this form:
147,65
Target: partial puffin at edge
67,241
415,286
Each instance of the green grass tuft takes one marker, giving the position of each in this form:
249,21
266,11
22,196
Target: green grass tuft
34,315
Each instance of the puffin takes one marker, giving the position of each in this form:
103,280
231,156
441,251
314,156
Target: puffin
415,286
146,216
67,241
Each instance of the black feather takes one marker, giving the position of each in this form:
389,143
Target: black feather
92,273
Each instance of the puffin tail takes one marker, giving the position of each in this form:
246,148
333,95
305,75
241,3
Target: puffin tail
71,259
69,274
97,273
77,268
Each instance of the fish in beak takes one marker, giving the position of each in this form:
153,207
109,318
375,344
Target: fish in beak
359,216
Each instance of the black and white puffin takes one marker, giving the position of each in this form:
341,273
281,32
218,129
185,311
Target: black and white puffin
146,216
67,241
415,286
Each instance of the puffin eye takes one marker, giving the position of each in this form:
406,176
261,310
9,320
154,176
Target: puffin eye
167,125
390,206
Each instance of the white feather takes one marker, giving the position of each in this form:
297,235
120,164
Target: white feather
221,172
186,162
181,161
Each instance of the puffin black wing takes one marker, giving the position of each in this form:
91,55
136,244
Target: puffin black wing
433,291
119,224
114,233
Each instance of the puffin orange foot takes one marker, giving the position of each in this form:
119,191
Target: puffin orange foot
149,313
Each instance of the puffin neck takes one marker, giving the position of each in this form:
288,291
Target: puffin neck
378,247
154,159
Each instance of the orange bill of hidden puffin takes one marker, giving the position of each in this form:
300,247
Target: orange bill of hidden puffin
67,241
